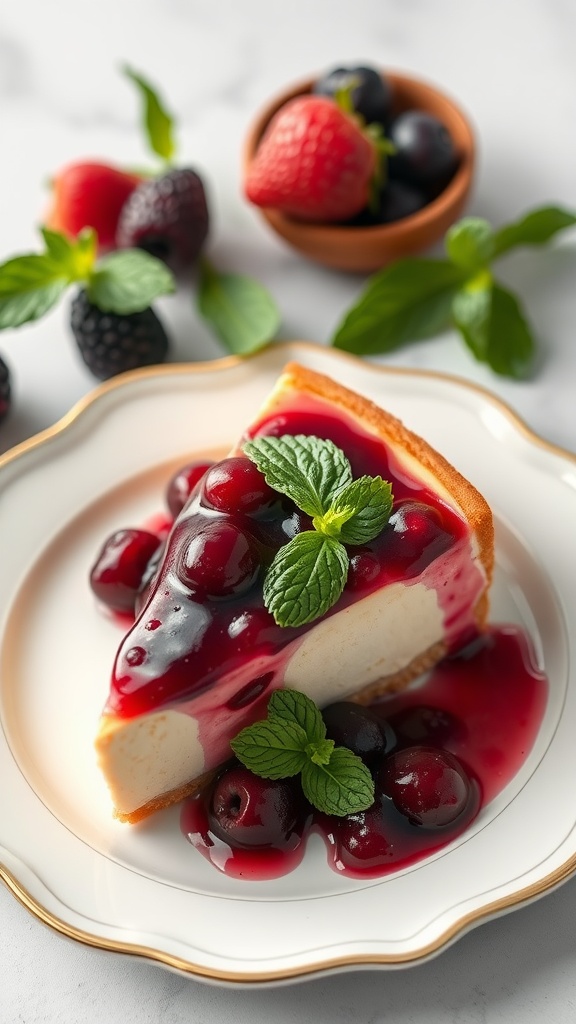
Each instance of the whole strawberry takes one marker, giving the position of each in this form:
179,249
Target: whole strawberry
314,162
167,217
88,194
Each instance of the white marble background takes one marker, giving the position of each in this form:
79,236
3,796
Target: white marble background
511,64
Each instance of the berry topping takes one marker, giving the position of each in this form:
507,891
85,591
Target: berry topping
429,786
219,561
370,92
121,566
168,217
364,569
236,485
110,343
427,725
5,392
424,150
313,162
182,484
249,811
90,195
356,727
418,531
364,840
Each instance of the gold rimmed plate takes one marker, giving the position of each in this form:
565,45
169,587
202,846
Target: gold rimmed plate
144,890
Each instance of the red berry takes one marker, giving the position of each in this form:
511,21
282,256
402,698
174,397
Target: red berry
167,217
219,561
237,485
246,810
313,162
429,786
182,484
90,195
117,574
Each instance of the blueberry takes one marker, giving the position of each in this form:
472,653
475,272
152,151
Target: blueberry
371,95
425,151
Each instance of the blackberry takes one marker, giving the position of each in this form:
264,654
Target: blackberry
4,389
110,343
168,217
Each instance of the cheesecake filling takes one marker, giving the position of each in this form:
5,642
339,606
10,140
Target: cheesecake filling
190,674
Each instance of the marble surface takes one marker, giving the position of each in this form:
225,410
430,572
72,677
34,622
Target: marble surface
61,98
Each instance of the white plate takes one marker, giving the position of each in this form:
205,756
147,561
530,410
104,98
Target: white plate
144,890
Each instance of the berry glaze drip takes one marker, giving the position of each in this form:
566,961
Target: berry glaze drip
483,706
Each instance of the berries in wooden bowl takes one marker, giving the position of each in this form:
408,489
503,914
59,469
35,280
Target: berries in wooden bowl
353,193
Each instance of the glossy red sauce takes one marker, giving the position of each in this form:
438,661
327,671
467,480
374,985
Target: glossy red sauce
484,705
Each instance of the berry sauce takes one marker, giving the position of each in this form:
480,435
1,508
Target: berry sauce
480,709
203,639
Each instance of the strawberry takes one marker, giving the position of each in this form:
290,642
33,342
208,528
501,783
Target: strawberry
91,195
314,162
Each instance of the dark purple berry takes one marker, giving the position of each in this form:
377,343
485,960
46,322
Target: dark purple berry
111,343
120,568
428,726
5,394
369,91
219,561
398,200
356,727
424,148
183,482
429,786
246,810
167,217
237,485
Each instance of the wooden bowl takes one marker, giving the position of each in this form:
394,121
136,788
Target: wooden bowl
365,249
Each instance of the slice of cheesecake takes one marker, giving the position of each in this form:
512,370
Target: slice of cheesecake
205,653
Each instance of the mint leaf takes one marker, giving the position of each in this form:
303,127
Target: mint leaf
343,786
305,579
370,499
308,469
273,749
240,310
293,706
495,329
58,246
29,286
128,281
407,301
158,123
470,243
535,228
320,752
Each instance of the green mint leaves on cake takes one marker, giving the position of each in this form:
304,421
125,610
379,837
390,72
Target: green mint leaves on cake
415,299
308,574
292,740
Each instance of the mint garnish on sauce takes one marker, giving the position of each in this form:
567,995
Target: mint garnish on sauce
308,575
291,741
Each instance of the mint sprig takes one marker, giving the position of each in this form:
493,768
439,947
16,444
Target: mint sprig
292,740
157,121
240,311
122,282
308,574
415,299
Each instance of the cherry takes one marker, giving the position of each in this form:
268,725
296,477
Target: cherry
363,570
246,810
417,528
283,526
364,839
117,574
149,578
356,727
429,786
371,94
424,148
219,560
237,485
183,482
427,725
